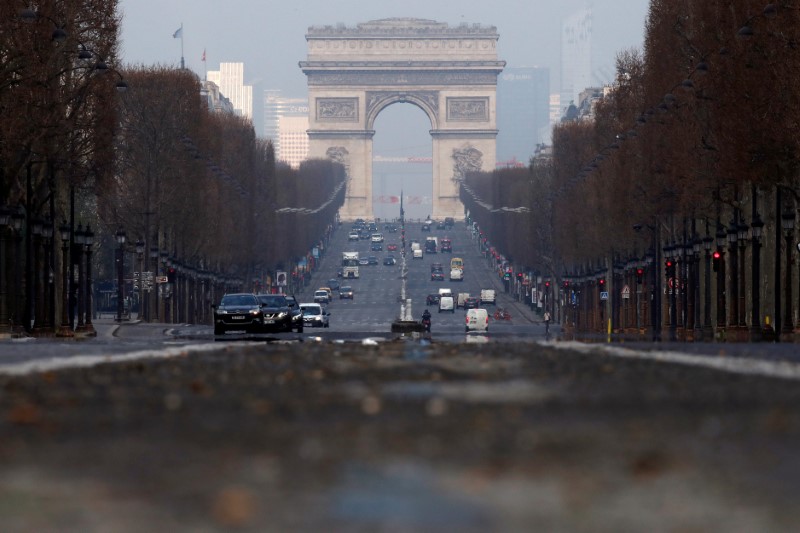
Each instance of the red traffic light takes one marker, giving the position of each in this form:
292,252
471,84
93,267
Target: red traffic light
601,282
546,283
716,254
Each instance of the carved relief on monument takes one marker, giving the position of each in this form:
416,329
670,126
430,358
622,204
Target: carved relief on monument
337,109
466,159
344,78
468,109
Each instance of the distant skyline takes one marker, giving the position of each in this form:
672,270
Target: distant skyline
270,37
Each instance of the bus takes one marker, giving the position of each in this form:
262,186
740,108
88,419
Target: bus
457,262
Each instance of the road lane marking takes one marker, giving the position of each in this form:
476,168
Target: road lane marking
83,361
732,364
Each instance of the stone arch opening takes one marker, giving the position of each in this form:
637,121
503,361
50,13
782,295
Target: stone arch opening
402,162
449,73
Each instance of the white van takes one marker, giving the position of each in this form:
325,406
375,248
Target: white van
488,296
477,320
456,274
444,291
446,304
417,254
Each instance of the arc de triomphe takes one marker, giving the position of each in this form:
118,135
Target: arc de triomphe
449,73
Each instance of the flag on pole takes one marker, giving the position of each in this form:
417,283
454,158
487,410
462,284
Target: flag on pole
178,33
204,54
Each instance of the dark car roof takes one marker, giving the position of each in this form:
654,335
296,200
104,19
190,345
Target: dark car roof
273,300
245,298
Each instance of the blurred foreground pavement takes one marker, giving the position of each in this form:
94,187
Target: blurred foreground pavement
398,437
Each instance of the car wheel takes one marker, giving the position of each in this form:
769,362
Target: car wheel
466,330
327,325
300,328
219,331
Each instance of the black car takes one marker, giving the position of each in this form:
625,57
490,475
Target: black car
441,225
238,311
372,260
333,284
376,247
279,313
346,292
437,275
389,260
472,303
432,299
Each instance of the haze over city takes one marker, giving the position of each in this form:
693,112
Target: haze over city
270,40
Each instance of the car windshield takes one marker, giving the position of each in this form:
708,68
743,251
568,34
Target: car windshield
239,299
273,301
312,310
321,293
347,289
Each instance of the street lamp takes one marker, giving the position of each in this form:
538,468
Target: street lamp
708,241
733,236
120,236
49,304
787,223
742,231
140,256
721,237
88,241
80,240
64,330
5,221
755,328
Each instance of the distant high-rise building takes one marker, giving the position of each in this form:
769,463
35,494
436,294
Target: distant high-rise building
230,80
286,124
576,56
523,113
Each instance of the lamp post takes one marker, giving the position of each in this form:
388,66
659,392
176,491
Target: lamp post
5,221
88,240
152,302
698,325
79,240
140,256
48,285
742,231
17,220
733,236
787,222
64,330
34,301
708,331
120,237
755,284
721,315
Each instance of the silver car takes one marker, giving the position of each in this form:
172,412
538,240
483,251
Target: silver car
314,315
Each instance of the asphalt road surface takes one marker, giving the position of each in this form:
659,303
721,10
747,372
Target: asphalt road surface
154,428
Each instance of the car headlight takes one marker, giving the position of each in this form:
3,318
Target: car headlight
281,314
255,312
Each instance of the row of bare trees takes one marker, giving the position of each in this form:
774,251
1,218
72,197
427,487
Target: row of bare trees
698,134
200,185
87,148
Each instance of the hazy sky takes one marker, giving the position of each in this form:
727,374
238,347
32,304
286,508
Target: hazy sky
269,36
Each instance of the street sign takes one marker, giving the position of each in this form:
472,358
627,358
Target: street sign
604,295
626,293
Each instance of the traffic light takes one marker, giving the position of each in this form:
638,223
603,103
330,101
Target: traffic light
547,285
519,276
716,259
171,275
566,284
639,275
669,268
601,284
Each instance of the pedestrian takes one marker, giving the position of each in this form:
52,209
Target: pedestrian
546,323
